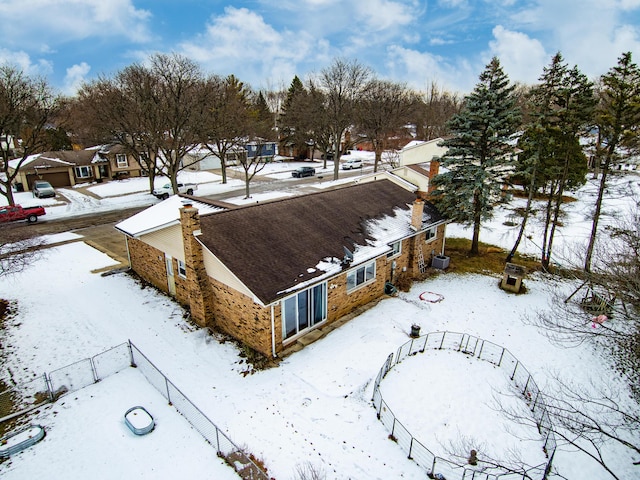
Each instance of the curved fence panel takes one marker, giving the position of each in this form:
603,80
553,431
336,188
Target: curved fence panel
421,455
483,350
490,352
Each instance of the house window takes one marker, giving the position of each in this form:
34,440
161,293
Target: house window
121,160
82,172
396,248
361,275
182,269
430,234
303,310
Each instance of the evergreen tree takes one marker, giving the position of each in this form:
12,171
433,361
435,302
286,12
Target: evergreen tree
561,107
294,120
480,152
618,121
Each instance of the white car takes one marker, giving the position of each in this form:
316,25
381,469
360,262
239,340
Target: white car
166,190
351,163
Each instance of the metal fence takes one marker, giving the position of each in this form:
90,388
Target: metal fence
242,462
48,388
482,350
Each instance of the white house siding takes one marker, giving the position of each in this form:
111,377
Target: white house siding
168,240
421,152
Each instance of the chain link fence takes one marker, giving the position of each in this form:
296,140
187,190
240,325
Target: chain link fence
27,396
47,388
243,463
482,350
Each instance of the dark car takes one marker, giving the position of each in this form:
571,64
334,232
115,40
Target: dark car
303,172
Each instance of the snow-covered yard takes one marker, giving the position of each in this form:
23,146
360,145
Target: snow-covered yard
315,408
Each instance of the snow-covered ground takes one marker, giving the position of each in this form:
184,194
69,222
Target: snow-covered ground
315,408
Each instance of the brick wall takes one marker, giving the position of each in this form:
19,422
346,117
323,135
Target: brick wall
199,292
149,263
237,315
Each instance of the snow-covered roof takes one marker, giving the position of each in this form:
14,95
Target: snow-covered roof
277,247
161,215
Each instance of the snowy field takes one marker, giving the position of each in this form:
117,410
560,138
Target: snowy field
315,407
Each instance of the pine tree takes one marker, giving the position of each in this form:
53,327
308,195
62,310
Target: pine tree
480,152
618,121
294,119
561,108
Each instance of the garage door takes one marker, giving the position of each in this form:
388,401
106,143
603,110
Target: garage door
59,179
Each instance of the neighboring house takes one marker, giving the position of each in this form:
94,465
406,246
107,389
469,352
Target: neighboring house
203,158
270,273
417,151
66,168
60,169
113,161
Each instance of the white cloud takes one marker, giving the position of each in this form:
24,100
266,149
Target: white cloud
30,22
521,57
589,33
381,15
240,42
420,69
75,77
23,61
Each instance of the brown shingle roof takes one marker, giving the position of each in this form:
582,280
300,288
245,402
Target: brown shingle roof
75,157
272,247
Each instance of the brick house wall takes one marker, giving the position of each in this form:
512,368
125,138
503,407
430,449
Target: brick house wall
237,315
149,263
213,303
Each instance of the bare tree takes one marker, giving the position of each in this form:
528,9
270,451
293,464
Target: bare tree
181,105
26,107
224,125
18,250
123,110
261,133
433,112
382,111
342,84
603,311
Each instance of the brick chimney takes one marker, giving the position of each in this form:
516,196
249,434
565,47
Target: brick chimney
434,169
417,210
198,283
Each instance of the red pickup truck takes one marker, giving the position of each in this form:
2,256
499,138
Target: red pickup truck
9,213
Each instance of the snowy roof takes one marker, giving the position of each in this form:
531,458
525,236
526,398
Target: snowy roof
281,246
56,159
161,215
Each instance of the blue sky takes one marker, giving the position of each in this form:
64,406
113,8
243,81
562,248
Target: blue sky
266,42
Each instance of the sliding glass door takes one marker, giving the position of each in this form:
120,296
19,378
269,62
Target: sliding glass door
303,310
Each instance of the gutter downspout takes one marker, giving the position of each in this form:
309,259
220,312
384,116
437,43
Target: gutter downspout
273,333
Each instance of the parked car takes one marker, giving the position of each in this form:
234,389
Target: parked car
303,172
12,213
166,190
351,163
42,189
